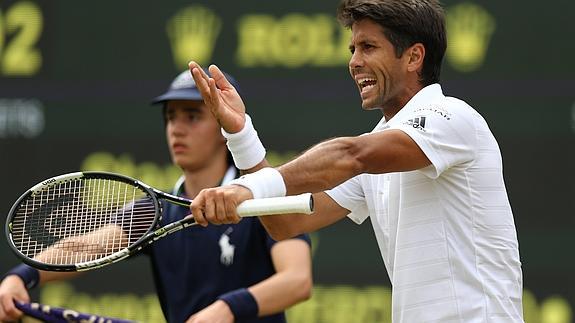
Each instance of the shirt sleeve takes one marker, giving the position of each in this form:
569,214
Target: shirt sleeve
446,138
270,242
350,195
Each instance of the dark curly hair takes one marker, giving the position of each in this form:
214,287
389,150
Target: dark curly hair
404,22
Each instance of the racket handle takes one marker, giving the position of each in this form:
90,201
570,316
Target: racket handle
302,203
57,314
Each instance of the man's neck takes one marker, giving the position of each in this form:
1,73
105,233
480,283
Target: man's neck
393,106
210,176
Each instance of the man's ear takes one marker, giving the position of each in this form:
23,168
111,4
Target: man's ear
415,55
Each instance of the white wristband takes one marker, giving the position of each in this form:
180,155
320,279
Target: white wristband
266,182
245,146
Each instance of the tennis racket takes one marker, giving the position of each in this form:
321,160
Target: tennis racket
86,220
51,314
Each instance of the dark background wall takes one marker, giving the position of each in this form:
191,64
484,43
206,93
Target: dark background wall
76,79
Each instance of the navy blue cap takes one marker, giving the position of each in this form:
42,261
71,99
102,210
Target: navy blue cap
183,87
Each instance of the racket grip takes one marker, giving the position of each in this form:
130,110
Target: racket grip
302,203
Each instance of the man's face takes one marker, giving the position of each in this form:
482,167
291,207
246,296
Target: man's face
193,134
378,73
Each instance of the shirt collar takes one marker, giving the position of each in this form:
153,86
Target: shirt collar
428,94
230,174
425,96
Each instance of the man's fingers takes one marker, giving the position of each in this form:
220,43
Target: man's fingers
201,82
215,210
198,216
215,205
193,65
221,80
205,76
221,209
200,78
214,93
230,208
207,86
209,211
216,74
198,211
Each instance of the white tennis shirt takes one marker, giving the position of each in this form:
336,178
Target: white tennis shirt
446,232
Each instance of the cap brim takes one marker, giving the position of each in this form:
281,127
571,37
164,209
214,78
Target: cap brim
180,94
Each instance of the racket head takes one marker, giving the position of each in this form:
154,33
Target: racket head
69,222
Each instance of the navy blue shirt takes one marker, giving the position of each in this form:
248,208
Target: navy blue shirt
194,266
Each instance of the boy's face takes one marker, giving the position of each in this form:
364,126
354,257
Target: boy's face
193,134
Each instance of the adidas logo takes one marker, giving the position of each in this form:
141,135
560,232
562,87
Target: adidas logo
418,123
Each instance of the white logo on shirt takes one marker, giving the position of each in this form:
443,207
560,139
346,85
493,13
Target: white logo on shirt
227,255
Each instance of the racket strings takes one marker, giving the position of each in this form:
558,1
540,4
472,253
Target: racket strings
81,220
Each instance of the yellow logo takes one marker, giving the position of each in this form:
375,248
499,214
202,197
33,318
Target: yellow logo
469,30
193,32
160,177
291,41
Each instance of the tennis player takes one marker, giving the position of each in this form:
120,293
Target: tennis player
429,175
228,273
